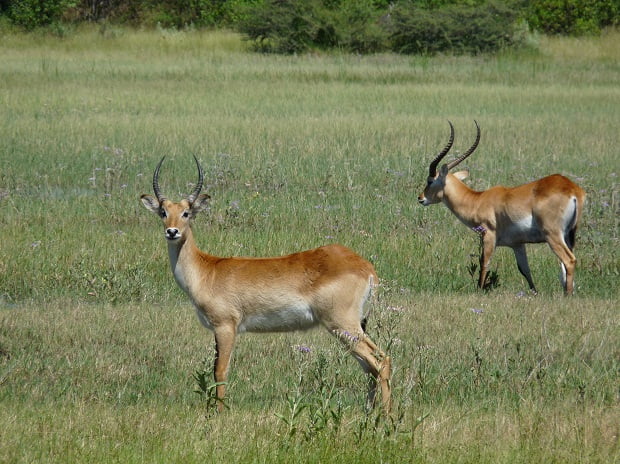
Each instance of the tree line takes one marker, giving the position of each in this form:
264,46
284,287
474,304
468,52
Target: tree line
359,26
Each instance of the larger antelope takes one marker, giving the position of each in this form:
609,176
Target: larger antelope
326,286
546,210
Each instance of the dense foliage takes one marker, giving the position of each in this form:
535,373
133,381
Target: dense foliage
288,26
572,17
458,28
360,26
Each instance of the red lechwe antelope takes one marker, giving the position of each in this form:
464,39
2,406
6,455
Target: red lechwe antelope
546,210
327,286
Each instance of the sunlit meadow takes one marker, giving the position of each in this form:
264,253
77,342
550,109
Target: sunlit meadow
101,356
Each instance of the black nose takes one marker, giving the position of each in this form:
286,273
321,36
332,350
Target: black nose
172,233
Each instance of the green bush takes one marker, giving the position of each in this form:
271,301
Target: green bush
572,17
36,13
354,26
281,26
289,26
357,26
166,13
198,13
454,28
367,26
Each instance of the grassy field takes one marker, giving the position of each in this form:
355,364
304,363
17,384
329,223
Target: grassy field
99,350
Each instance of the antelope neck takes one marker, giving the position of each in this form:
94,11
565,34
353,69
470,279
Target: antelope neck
181,253
462,201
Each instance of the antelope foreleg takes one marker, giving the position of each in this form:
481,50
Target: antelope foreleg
488,247
224,344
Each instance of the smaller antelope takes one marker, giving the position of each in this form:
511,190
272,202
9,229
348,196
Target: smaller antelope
546,210
327,286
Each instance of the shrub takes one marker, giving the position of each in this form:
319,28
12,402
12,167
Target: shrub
367,26
289,26
280,26
456,28
572,17
353,25
199,13
35,13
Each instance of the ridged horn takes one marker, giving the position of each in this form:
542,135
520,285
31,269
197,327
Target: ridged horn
158,194
432,169
198,188
468,152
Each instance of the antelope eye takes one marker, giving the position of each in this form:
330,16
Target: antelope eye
163,213
185,214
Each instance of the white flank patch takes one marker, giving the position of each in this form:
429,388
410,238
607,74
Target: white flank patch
524,225
569,214
563,275
525,230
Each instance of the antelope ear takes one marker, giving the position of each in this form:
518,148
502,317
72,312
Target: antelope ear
200,203
151,203
461,175
443,170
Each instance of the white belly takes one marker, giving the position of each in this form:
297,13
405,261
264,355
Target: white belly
280,320
295,317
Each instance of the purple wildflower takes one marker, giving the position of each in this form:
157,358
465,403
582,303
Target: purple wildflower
302,348
480,230
344,335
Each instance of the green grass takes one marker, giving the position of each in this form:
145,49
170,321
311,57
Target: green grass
526,379
98,346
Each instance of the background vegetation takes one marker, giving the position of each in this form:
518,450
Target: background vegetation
359,26
100,353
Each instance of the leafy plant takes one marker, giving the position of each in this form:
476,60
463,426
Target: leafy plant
205,387
288,26
492,278
281,26
458,28
320,410
572,17
35,13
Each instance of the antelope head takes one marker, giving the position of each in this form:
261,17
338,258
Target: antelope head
176,217
436,181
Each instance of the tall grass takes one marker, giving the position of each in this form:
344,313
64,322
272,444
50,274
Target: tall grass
98,347
476,379
333,148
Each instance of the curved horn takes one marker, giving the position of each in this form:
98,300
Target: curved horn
468,152
196,191
158,194
432,170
